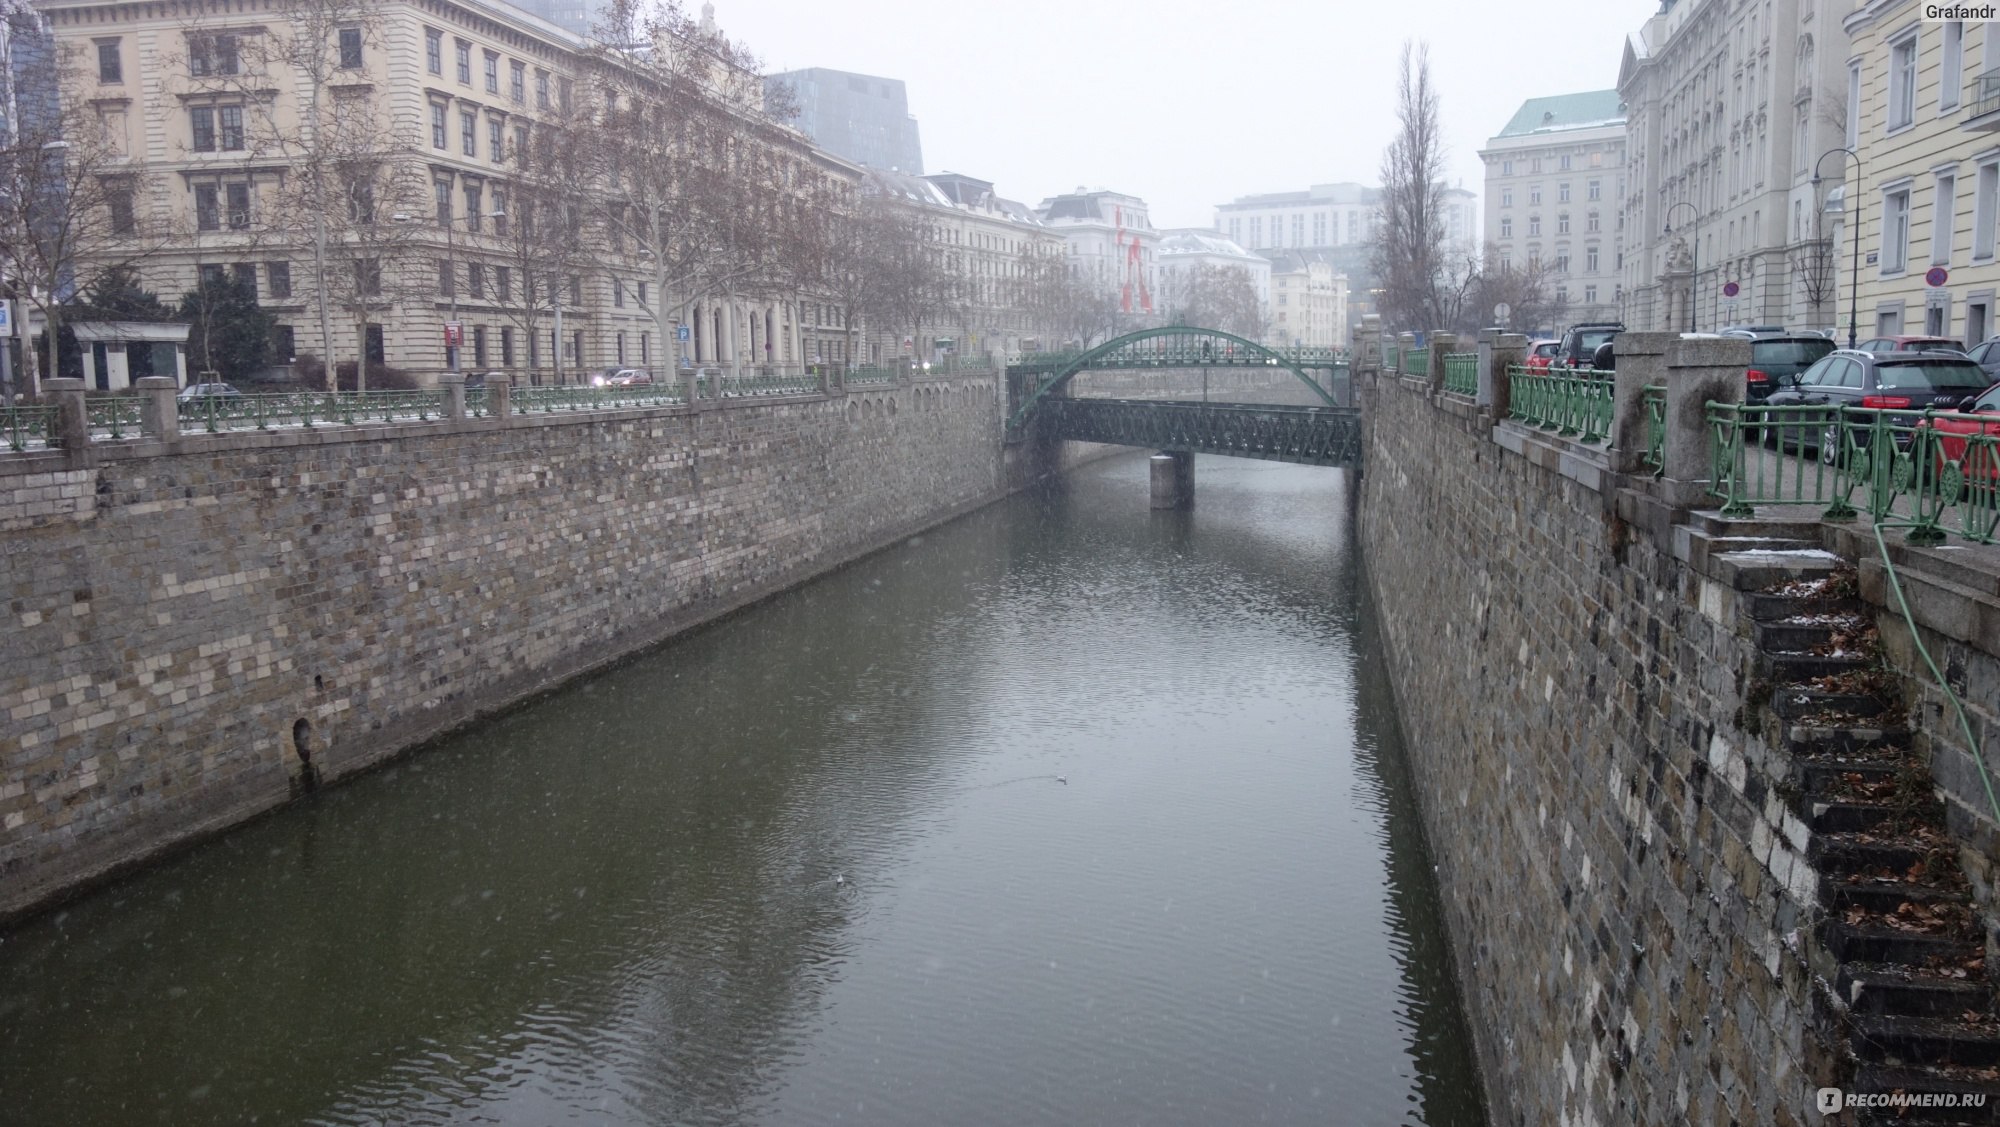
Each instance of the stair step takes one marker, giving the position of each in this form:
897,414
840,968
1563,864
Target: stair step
1785,635
1792,668
1795,704
1765,607
1926,1040
1884,895
1714,523
1881,1078
1841,743
1841,816
1890,989
1864,853
1874,943
1835,778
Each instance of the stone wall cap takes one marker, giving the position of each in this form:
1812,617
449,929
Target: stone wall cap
1716,353
1644,343
157,383
63,385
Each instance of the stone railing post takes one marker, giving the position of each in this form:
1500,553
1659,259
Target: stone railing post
691,388
1367,348
499,397
453,386
1482,348
820,382
1442,344
1642,363
159,413
72,416
1496,383
1405,343
1698,371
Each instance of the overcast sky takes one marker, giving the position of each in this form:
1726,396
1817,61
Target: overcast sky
1190,105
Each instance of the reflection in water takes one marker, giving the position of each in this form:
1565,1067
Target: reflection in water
1067,811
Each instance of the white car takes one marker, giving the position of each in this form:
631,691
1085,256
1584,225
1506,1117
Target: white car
209,391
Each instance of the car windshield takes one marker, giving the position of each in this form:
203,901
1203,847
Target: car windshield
1594,337
1770,353
1988,402
1921,375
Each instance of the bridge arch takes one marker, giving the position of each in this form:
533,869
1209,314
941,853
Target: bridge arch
1174,346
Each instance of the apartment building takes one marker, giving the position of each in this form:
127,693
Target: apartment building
1109,240
864,118
1308,301
1192,260
206,108
1554,175
1924,103
1730,109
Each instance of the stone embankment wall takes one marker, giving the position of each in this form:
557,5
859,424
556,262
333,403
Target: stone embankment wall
187,622
1627,891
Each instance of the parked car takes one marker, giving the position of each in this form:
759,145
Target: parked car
621,377
1541,354
1579,342
1898,383
1776,362
1986,354
1753,332
209,391
1908,344
1980,417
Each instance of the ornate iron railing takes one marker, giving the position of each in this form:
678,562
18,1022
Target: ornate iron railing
1569,402
1461,373
30,426
1416,361
749,385
1936,471
1325,436
1653,401
114,417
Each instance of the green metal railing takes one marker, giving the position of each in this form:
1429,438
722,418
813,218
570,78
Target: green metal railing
1937,470
114,417
750,385
869,377
1461,373
216,413
1416,361
1653,401
1569,402
29,426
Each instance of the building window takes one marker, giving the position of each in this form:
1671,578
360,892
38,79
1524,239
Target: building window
564,87
475,281
1298,230
479,346
210,274
437,125
216,128
284,343
350,48
447,277
1854,103
1944,218
1594,190
1534,225
1506,168
1506,226
279,274
1592,223
492,72
1590,261
245,274
1562,262
576,289
368,277
238,196
468,132
433,50
642,294
621,348
441,196
1986,209
1563,162
1951,66
518,80
1562,192
503,283
541,89
212,55
506,346
1562,223
1895,230
499,210
617,293
496,134
520,144
1590,295
207,208
1506,197
1534,195
110,68
462,52
472,208
1319,228
1903,81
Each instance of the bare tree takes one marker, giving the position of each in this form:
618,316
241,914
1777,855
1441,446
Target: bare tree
70,193
1528,292
1208,295
1409,248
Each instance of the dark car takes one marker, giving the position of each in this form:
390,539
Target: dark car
1908,344
1986,354
1753,332
1899,384
1579,342
1776,363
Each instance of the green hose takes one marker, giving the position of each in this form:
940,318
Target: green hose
1971,742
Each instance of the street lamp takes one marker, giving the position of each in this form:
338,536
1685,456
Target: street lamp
451,259
1694,254
1853,278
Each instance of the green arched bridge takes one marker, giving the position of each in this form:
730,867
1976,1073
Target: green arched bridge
1327,433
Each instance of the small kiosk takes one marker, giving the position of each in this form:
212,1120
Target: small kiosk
116,354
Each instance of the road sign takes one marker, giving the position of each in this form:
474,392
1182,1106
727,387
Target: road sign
454,334
1502,311
1731,289
6,318
683,334
1936,276
909,343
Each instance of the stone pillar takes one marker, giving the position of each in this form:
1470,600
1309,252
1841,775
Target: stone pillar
1367,347
1442,343
1642,363
733,333
159,414
1405,343
1496,385
1483,349
1698,371
453,386
499,397
72,417
1173,479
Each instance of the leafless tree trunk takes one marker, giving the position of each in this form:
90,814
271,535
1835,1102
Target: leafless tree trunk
1408,254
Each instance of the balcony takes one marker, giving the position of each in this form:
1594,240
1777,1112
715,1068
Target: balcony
1984,114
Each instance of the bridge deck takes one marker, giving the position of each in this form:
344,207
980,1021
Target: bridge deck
1319,436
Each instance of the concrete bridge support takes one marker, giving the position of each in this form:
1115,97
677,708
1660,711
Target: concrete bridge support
1173,479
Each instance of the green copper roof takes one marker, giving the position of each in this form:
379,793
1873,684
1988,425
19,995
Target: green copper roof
1566,111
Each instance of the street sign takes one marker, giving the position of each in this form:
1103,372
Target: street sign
454,334
1731,289
6,318
683,334
909,343
1936,276
1502,311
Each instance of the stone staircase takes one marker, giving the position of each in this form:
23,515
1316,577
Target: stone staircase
1898,941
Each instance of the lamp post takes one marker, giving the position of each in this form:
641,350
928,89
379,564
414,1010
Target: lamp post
1694,254
1854,277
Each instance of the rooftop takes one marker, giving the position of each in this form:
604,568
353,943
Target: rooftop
1564,112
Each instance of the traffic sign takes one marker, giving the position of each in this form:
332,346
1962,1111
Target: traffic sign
1936,276
6,318
454,334
683,334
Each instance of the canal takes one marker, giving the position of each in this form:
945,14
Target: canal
1066,812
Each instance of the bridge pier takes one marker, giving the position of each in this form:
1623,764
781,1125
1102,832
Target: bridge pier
1173,479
